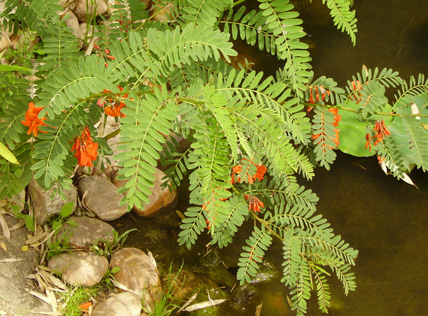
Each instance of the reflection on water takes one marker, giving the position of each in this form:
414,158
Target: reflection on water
387,221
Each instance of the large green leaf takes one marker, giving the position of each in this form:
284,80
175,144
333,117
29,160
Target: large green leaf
352,136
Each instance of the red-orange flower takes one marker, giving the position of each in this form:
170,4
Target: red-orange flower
114,107
317,94
261,170
355,94
380,132
254,203
86,149
32,119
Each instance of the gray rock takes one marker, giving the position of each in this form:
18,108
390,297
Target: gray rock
81,12
88,232
138,273
122,304
44,206
80,268
100,196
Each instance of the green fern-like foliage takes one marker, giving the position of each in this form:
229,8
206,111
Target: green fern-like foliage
251,135
343,17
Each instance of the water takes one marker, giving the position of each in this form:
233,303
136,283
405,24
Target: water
385,219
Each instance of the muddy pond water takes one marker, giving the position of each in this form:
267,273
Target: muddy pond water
385,219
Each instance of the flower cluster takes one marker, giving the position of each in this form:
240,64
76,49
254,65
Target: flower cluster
112,107
254,203
337,119
32,119
380,131
86,149
246,177
355,86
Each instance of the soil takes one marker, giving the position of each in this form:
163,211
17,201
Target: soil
15,265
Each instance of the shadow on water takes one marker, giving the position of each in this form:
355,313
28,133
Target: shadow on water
385,219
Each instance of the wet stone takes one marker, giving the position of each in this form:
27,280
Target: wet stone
122,304
137,273
100,196
80,268
161,201
89,231
44,206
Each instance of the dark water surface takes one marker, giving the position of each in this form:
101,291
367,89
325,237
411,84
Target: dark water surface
386,220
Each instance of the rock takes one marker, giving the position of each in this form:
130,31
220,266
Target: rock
44,206
87,232
163,13
161,200
81,12
100,196
72,22
122,304
138,273
80,268
83,27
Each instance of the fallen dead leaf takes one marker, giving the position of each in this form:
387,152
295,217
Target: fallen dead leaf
4,227
3,246
205,304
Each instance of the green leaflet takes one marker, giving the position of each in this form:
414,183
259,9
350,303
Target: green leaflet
147,119
343,17
254,251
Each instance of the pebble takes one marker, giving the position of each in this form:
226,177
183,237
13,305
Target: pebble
137,273
44,206
101,197
89,231
79,268
122,304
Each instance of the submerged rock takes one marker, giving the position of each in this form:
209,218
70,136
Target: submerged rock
122,304
79,268
88,232
101,197
44,206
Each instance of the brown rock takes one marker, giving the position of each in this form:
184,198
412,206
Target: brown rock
80,268
87,232
72,22
44,206
161,200
137,272
122,304
81,12
100,196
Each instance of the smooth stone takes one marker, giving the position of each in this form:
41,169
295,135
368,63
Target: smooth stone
44,206
72,22
137,273
163,13
89,231
81,12
101,197
122,304
162,199
80,268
